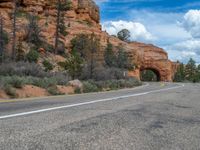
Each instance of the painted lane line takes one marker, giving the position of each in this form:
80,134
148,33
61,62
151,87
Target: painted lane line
87,103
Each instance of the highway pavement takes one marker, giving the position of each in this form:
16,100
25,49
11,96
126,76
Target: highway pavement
155,116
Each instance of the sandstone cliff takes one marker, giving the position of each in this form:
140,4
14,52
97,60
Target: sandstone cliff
84,17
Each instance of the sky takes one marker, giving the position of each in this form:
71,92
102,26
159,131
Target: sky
173,25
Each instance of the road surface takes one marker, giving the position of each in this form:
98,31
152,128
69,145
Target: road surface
156,116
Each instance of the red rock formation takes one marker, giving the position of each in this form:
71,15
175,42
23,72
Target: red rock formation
84,18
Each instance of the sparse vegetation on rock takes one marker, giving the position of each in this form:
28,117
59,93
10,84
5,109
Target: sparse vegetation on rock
40,54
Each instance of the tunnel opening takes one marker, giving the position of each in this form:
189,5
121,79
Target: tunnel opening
150,75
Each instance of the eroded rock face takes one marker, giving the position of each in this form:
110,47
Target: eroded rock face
84,18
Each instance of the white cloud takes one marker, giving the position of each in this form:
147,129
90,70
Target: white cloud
191,23
138,31
192,45
177,33
185,50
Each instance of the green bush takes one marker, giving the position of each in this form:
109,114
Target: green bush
53,90
13,81
21,14
16,82
44,82
101,73
89,87
10,91
47,65
77,90
31,69
95,86
32,56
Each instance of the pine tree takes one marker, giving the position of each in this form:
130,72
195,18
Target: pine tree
124,35
20,54
73,65
3,40
33,31
14,30
109,56
123,60
62,6
180,74
191,70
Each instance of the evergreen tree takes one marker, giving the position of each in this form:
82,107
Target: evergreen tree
3,39
73,65
180,74
109,56
123,60
87,47
62,7
198,73
94,47
20,54
191,70
124,35
34,31
81,44
14,30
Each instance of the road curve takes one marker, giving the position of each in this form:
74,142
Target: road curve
154,116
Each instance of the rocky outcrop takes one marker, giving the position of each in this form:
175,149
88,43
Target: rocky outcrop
84,18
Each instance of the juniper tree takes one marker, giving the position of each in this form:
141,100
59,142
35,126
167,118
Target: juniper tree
124,35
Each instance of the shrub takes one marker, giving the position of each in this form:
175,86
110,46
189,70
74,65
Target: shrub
21,14
77,90
131,82
16,82
32,56
53,90
89,87
61,78
10,91
22,69
47,65
73,65
44,82
94,86
48,47
101,73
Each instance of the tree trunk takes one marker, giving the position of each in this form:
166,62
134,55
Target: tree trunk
57,27
14,31
1,39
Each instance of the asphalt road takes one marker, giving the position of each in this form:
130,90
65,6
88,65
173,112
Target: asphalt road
156,116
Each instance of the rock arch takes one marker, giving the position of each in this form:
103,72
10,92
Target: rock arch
148,56
155,70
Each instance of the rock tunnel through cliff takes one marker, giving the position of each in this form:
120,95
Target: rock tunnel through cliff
150,74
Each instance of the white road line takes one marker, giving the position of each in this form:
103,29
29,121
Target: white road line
87,103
